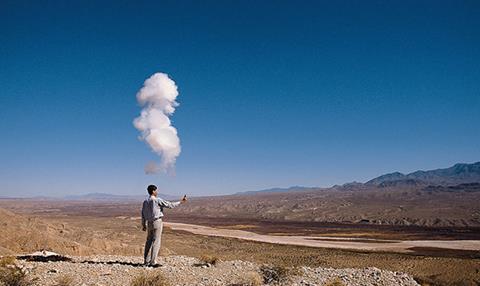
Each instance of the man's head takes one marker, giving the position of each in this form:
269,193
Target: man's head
152,189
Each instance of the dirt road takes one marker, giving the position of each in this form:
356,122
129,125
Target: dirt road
401,246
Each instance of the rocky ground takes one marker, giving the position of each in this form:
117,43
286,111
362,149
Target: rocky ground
182,270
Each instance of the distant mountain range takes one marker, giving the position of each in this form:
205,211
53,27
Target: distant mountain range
101,197
106,197
95,197
441,198
455,175
458,174
278,190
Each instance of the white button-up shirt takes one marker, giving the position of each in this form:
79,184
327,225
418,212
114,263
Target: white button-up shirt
152,208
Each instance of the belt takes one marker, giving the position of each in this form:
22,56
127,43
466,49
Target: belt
155,219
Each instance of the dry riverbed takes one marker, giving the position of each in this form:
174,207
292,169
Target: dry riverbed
330,242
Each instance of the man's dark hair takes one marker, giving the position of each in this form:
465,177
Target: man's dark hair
151,188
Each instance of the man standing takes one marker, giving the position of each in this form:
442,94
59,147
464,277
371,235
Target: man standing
152,213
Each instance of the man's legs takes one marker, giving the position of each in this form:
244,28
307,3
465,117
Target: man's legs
157,239
148,244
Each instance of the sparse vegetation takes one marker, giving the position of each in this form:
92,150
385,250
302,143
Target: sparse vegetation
249,279
11,274
150,279
7,260
334,282
209,259
277,273
64,280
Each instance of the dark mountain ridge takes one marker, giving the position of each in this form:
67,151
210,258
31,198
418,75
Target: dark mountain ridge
457,174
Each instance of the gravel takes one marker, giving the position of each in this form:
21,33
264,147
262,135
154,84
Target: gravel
183,271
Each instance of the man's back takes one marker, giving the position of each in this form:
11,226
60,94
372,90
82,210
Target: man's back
152,208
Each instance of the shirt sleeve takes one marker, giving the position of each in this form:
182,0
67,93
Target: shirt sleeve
167,204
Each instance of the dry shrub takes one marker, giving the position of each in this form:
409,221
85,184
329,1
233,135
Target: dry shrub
249,279
209,259
277,273
11,274
150,279
65,280
334,282
7,260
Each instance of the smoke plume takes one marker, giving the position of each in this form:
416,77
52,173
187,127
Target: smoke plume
157,97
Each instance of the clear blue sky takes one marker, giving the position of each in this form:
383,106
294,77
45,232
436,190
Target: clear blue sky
272,93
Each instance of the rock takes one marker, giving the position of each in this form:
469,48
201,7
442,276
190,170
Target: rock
181,271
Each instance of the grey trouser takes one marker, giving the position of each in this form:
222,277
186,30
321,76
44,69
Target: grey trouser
154,239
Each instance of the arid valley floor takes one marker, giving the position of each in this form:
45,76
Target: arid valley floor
113,228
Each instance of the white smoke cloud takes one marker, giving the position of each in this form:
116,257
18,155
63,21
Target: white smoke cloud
151,168
157,96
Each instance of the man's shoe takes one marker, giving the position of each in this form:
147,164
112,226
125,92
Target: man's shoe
155,265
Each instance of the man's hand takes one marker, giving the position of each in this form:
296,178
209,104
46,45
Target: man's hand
184,199
144,228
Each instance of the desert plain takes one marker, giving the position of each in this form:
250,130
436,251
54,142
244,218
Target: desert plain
82,228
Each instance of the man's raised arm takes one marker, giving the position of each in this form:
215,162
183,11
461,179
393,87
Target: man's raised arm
171,205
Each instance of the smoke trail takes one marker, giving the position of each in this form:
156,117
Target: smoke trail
151,168
157,96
